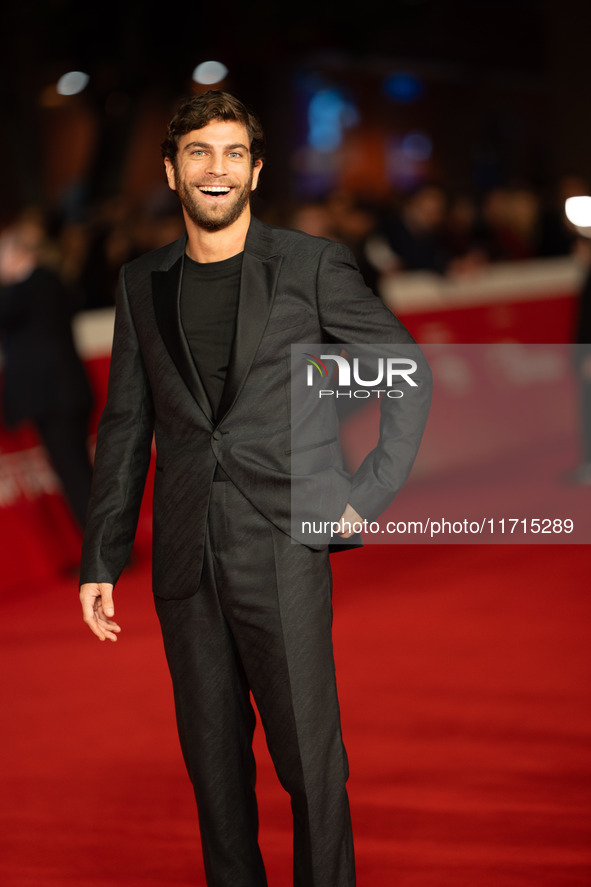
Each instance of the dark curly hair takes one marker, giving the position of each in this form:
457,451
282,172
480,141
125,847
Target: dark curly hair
197,111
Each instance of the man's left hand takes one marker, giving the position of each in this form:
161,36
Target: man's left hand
348,519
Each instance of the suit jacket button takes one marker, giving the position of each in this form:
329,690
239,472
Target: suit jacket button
217,435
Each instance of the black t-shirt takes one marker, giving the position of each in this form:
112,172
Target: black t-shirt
209,303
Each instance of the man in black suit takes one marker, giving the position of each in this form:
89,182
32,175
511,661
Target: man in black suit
201,356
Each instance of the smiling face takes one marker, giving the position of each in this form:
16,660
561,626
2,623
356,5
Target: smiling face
213,174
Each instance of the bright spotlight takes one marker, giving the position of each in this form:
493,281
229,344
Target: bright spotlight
209,73
72,83
578,211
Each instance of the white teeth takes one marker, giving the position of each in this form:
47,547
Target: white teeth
214,190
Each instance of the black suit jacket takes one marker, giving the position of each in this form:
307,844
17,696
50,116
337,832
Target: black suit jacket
294,288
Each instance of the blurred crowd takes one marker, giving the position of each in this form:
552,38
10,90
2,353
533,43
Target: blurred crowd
427,229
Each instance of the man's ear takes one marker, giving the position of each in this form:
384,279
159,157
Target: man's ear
169,168
256,170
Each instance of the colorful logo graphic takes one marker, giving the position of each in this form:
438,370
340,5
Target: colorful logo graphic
314,361
351,372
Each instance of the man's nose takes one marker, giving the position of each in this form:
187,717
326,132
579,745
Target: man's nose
216,165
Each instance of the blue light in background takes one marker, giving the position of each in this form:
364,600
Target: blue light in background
403,87
329,114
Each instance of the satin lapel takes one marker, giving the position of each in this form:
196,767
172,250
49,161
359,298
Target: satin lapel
258,283
166,294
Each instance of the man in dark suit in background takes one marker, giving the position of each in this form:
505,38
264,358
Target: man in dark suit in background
44,379
201,355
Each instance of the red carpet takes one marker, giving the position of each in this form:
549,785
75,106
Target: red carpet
465,675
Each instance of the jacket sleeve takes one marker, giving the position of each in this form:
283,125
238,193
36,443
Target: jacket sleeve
124,442
353,316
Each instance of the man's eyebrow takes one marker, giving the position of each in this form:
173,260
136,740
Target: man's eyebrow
192,145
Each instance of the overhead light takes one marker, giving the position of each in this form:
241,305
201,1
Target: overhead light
209,73
72,83
578,211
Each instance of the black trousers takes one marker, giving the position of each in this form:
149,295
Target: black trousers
260,621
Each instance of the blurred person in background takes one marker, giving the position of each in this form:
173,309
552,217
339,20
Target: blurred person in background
414,233
459,235
44,379
524,222
509,224
582,358
422,235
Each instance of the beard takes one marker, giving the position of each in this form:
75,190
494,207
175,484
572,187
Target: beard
212,217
